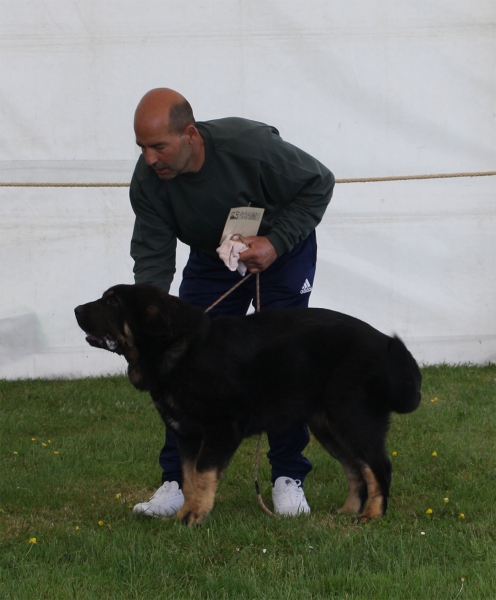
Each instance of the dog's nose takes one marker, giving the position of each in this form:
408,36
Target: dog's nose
78,310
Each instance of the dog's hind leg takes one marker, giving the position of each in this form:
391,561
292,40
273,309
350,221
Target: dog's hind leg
369,446
357,489
357,486
357,439
377,474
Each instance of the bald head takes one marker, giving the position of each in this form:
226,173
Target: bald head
167,135
165,110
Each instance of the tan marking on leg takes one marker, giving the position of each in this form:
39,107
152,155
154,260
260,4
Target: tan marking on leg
206,487
188,478
200,503
375,504
353,502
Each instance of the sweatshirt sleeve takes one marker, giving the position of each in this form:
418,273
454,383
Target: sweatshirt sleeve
302,214
300,186
153,244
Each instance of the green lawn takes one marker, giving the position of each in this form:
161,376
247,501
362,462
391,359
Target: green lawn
76,455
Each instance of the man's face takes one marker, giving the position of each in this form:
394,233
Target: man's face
169,154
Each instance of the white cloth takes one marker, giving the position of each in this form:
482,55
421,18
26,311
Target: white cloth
229,252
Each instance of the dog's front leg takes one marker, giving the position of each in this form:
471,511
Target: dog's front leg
195,509
201,477
188,469
189,449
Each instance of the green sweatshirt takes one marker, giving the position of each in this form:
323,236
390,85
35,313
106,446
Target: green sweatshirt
246,163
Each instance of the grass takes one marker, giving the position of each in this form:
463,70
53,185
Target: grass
102,440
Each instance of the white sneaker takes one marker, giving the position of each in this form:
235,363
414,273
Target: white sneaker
288,497
165,502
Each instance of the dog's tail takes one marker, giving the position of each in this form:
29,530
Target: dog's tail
404,377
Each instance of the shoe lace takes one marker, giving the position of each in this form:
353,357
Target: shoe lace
298,491
295,492
163,489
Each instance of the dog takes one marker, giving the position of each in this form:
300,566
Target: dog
217,381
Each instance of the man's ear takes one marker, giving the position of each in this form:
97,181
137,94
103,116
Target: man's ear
192,133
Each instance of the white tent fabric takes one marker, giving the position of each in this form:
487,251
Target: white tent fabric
370,87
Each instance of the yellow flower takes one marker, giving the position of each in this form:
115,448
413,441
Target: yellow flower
101,523
49,441
434,454
16,452
77,527
44,445
394,453
32,540
434,399
429,511
118,496
446,500
55,452
462,516
33,439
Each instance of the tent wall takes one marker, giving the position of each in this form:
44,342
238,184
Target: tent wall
370,87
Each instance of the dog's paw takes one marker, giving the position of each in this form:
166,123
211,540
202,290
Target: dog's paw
361,520
189,516
367,516
343,511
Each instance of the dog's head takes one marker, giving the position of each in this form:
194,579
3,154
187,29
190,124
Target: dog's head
140,322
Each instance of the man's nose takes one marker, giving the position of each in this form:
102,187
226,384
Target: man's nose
150,156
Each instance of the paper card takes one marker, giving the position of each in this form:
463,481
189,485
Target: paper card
244,220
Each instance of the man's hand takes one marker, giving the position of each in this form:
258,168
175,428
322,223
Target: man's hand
260,254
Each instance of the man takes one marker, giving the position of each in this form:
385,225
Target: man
185,183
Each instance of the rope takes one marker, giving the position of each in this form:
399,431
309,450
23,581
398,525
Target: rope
61,185
350,180
410,177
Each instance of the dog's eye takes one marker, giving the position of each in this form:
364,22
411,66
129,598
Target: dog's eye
112,300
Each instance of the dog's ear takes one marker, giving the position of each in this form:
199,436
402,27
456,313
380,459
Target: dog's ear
156,320
152,313
152,310
168,317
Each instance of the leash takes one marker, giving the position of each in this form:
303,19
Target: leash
255,477
232,290
257,452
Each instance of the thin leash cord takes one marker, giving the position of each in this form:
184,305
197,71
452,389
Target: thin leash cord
255,477
229,291
257,452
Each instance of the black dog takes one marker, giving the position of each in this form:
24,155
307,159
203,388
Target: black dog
215,382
